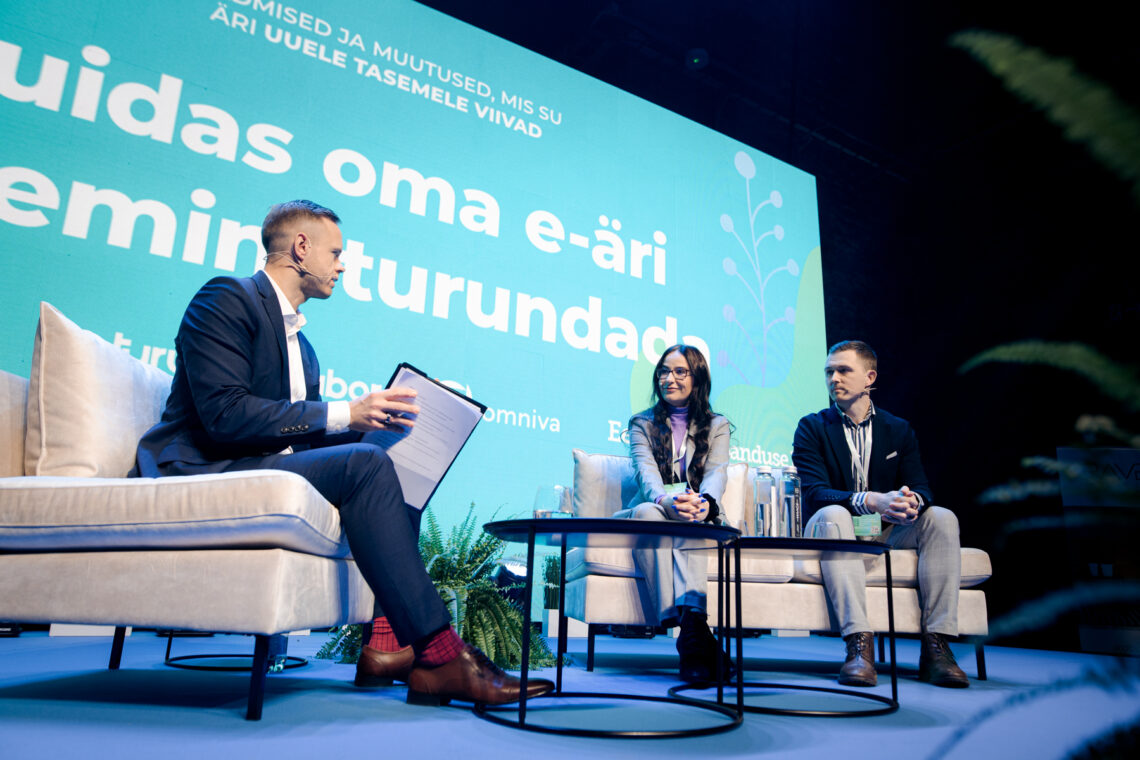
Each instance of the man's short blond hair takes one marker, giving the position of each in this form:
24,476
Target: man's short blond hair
282,215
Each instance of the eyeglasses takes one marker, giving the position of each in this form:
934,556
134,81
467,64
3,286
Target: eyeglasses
678,372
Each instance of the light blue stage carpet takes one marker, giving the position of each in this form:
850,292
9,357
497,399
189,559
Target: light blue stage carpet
57,699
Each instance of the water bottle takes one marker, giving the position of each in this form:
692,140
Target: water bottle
793,506
779,504
763,491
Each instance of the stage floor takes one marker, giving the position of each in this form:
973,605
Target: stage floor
58,699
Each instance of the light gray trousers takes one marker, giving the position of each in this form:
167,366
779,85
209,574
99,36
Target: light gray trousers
673,577
935,537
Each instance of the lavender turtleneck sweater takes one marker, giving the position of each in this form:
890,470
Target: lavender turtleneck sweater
679,422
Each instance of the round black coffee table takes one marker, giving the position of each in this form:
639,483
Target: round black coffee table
577,532
806,549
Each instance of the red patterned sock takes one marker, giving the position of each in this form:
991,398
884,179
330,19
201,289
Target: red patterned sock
383,637
439,648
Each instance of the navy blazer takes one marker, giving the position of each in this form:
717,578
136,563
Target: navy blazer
823,459
230,395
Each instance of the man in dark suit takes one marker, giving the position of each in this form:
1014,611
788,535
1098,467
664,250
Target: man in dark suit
245,396
858,461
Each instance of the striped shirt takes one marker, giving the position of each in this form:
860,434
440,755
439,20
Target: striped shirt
858,435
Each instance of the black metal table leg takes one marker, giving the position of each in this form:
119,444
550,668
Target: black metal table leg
891,630
739,630
528,587
562,624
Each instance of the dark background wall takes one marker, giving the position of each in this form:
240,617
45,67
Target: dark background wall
954,217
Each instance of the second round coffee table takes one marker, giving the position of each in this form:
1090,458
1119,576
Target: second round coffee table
800,549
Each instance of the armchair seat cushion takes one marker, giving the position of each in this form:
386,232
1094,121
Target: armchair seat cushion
618,562
976,568
255,591
251,509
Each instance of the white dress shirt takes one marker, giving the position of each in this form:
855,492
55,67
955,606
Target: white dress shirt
338,412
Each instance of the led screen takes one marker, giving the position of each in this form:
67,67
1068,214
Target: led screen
521,231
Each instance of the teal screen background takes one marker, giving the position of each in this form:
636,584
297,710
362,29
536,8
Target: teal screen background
142,143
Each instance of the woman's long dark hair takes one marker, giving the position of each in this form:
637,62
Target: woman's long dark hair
700,414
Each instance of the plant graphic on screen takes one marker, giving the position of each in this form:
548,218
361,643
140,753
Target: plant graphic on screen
761,264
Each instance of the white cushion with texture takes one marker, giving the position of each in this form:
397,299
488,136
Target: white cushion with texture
603,484
610,600
260,591
976,568
88,402
619,562
13,423
256,508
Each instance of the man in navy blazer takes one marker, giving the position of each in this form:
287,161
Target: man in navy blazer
856,460
245,396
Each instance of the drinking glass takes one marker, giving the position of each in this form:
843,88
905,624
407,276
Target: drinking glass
553,501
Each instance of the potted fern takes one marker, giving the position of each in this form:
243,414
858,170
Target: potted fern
461,567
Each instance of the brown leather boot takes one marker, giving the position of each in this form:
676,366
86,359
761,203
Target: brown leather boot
937,665
859,667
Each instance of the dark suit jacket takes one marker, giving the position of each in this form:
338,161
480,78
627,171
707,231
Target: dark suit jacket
230,395
821,455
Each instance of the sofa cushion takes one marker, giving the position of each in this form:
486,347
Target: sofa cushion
266,591
255,508
603,484
976,568
13,423
619,562
607,599
88,402
737,492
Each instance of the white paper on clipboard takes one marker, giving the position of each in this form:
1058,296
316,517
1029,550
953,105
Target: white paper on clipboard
445,422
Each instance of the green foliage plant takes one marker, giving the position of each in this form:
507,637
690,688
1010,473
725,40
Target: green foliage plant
462,567
1087,110
1092,114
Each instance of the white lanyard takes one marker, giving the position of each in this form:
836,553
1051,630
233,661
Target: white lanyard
861,459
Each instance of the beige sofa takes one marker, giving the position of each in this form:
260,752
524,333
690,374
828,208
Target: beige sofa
605,588
258,552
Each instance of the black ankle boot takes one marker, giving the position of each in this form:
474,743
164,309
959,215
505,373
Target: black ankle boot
699,650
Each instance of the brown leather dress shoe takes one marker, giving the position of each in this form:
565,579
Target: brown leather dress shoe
859,667
376,668
470,677
937,665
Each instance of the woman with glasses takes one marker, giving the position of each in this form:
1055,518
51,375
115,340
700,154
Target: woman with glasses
679,448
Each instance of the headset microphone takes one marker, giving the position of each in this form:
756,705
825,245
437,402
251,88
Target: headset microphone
323,278
300,267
